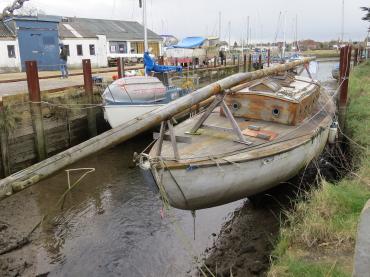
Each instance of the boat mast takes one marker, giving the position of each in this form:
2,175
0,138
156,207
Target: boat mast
284,42
342,25
229,35
219,26
248,32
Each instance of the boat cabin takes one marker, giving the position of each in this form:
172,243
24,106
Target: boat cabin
287,100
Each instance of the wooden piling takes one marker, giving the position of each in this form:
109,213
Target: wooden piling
245,63
4,164
268,57
120,67
88,85
250,63
345,67
36,110
260,66
355,57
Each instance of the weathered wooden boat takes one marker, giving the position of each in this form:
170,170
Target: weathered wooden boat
251,138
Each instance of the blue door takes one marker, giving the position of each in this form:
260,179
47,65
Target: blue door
39,41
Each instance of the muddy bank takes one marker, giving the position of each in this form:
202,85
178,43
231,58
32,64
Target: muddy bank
245,243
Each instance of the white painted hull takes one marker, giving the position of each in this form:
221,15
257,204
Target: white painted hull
119,114
210,186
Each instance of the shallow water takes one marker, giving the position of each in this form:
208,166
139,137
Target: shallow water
111,223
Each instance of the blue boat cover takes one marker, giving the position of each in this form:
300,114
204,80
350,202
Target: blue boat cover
150,65
190,42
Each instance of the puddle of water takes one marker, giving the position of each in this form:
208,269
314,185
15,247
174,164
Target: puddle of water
111,223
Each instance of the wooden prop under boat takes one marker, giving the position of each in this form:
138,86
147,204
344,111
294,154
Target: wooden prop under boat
279,124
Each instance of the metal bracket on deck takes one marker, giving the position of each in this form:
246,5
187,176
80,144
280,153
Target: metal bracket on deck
217,102
162,136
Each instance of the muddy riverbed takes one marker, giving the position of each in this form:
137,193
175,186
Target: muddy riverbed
112,224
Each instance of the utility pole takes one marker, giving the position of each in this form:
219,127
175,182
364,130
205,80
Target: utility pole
142,4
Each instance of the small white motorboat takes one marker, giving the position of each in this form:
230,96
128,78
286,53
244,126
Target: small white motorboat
132,97
250,139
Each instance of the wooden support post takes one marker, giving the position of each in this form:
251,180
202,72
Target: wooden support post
36,110
268,57
233,59
245,63
173,140
88,85
121,67
238,63
4,164
355,57
214,61
260,66
345,67
250,63
160,140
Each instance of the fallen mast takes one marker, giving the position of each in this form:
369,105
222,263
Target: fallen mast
124,132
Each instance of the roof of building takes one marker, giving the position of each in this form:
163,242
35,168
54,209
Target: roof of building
5,31
73,27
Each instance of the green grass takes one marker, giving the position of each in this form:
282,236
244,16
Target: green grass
292,267
318,234
322,53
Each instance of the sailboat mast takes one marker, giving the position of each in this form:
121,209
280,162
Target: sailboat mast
145,28
219,26
342,25
284,42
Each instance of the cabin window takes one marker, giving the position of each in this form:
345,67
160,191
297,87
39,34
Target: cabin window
79,50
11,51
92,49
67,49
276,112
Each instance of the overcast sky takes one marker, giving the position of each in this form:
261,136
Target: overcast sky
317,19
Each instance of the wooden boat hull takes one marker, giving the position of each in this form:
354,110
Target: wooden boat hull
202,187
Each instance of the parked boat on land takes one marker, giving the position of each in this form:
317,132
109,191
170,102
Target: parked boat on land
251,138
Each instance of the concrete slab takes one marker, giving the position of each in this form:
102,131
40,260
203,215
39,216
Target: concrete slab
361,266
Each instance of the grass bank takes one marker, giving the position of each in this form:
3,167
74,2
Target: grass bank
318,237
322,53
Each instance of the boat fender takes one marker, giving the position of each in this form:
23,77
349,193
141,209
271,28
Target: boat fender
333,133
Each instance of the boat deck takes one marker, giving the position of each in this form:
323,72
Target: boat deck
219,143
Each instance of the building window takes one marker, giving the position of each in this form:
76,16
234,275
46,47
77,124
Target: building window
79,50
92,49
137,47
11,51
119,47
67,50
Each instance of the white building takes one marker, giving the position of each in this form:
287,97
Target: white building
9,50
101,40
